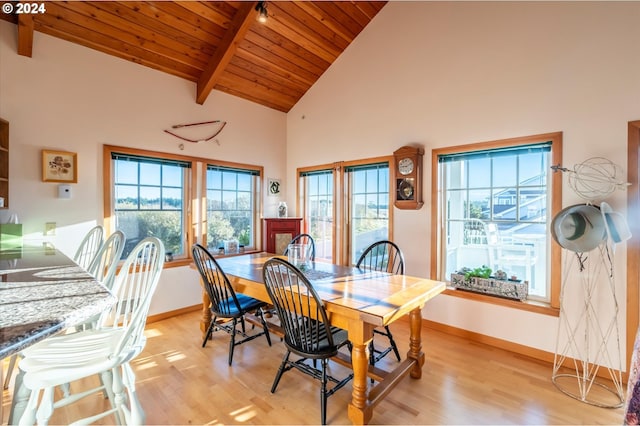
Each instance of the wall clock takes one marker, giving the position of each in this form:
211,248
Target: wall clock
408,177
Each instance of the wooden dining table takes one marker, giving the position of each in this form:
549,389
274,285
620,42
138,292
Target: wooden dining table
357,300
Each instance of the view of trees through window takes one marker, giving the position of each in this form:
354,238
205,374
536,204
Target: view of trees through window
230,206
149,196
153,195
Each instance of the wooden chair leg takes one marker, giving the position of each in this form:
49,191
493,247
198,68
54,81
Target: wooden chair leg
323,392
285,360
264,326
392,342
232,343
207,335
372,355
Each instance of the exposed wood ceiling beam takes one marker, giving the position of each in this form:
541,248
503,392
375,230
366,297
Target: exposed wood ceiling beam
25,34
244,17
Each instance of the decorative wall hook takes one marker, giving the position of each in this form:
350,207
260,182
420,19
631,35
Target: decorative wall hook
220,125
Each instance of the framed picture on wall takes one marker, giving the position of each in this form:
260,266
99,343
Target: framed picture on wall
59,166
274,187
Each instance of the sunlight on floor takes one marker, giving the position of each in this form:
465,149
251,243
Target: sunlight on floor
144,363
175,356
244,414
152,332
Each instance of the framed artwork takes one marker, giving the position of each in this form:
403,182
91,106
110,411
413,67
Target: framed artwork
273,187
59,166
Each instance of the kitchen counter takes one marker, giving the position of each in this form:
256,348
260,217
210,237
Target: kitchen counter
42,292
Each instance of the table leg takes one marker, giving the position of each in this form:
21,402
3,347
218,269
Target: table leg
206,313
415,342
359,410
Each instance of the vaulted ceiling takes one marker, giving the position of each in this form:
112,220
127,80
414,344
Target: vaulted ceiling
219,45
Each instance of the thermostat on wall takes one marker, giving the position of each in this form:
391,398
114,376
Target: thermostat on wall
64,191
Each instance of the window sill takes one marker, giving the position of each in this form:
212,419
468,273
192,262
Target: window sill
178,262
189,262
527,305
216,255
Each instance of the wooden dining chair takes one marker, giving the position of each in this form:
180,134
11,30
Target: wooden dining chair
105,263
105,350
103,268
383,256
303,239
89,246
307,331
226,304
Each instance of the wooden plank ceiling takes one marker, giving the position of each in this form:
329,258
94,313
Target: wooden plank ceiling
217,44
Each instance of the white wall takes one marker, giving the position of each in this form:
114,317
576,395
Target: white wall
70,98
449,73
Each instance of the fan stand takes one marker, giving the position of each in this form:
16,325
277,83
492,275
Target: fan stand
591,339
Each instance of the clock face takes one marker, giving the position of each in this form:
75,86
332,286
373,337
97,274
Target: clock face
405,166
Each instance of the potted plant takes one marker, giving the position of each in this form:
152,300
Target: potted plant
482,272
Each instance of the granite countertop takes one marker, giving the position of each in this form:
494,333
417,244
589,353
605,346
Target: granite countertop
42,292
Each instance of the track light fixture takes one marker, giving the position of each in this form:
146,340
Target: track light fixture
261,7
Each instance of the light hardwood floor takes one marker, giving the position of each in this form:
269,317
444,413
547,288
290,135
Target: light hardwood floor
179,382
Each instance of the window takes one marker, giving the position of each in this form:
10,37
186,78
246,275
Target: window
358,193
231,205
318,208
368,196
495,202
149,200
180,200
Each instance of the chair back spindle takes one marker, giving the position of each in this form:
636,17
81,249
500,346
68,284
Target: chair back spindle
133,288
383,256
224,301
104,265
300,310
89,246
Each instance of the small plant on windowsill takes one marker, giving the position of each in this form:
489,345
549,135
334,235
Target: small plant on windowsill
482,272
